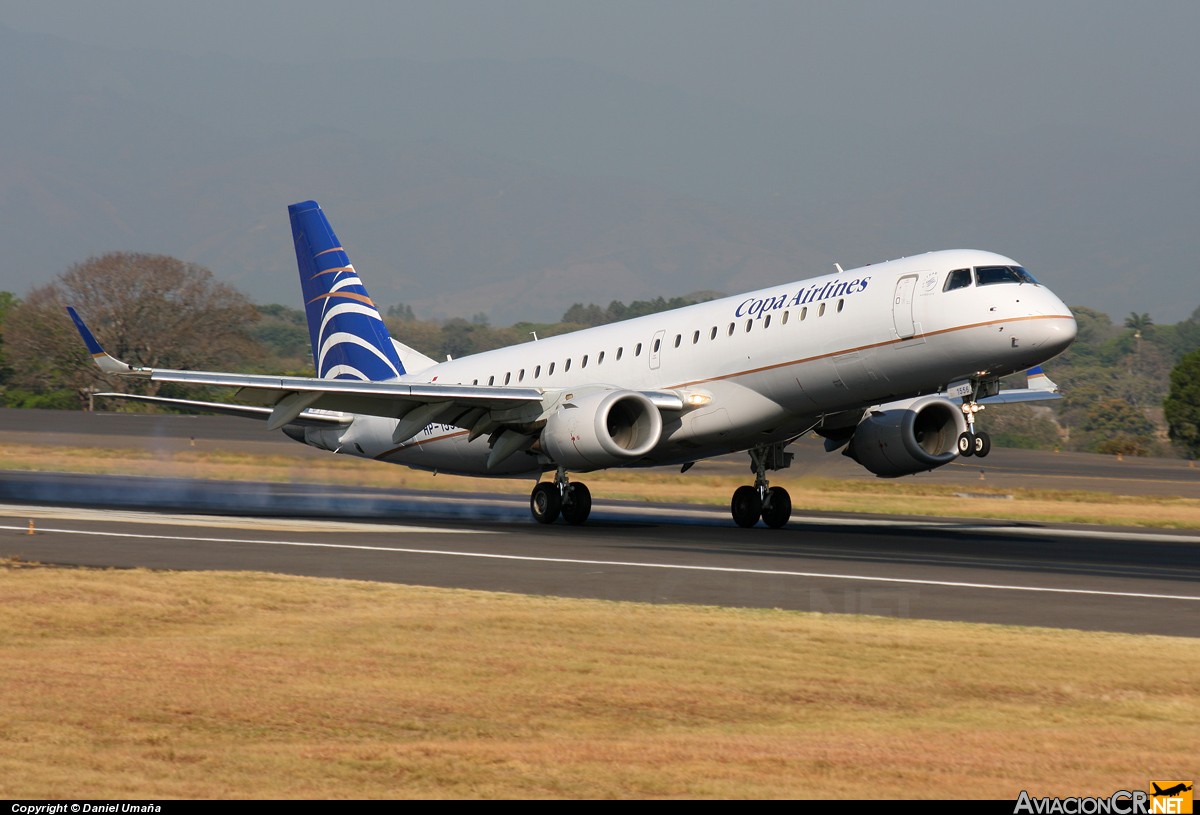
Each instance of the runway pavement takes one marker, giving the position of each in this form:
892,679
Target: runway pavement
998,572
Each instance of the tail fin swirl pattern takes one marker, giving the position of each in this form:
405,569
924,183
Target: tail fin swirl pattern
349,338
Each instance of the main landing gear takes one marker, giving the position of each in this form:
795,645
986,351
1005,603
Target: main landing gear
549,499
772,504
972,442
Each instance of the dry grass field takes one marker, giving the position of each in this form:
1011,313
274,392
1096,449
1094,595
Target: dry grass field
135,684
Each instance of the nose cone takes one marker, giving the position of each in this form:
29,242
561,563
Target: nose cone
1056,326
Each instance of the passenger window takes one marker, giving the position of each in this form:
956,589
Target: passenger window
566,366
620,352
637,351
600,358
783,319
767,321
713,335
657,345
491,380
507,377
583,362
678,339
803,313
731,329
958,279
474,381
537,372
821,311
749,325
521,375
550,370
840,304
695,338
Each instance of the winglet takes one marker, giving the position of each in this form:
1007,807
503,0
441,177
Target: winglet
108,364
1038,381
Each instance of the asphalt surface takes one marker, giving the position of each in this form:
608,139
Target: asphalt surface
1000,572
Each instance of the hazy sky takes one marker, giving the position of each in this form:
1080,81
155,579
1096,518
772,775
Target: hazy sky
1096,77
1013,59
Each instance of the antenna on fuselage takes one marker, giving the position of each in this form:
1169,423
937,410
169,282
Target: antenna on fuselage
839,268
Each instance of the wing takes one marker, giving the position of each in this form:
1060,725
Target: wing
1038,388
478,408
282,400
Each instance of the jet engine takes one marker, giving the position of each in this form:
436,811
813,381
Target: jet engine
601,430
906,437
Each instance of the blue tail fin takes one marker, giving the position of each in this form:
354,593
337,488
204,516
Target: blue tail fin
349,339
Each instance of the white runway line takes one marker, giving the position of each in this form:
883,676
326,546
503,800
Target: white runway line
633,564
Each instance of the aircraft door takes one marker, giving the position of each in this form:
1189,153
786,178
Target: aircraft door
656,349
902,306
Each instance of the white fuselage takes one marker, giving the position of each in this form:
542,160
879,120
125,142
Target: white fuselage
767,365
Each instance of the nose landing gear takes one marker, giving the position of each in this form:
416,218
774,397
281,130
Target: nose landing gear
972,442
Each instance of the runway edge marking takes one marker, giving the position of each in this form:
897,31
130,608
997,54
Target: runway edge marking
630,564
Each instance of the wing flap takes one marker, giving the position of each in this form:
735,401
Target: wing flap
306,417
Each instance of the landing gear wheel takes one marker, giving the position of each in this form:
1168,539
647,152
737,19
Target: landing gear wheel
746,506
545,502
577,505
983,444
966,444
778,507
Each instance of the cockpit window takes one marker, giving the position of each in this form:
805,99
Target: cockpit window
958,279
988,275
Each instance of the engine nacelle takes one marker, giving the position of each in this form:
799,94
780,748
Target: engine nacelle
906,437
601,430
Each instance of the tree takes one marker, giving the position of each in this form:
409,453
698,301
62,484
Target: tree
1140,323
8,302
1182,405
401,311
149,310
1116,426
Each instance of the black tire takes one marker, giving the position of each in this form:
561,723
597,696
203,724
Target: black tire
545,502
983,444
778,508
578,504
746,506
966,444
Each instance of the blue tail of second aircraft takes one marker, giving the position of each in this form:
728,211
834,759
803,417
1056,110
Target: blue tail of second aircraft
349,339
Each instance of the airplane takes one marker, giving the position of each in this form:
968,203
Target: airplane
1170,792
890,361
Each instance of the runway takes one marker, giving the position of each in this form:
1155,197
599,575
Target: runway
997,572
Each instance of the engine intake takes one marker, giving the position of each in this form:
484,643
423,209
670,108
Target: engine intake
601,430
906,437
